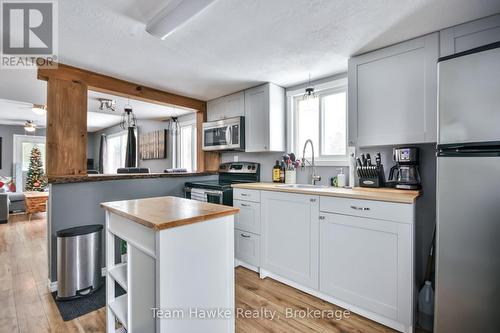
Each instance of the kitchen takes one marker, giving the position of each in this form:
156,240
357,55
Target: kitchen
331,187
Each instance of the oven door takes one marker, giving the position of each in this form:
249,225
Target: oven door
225,134
204,195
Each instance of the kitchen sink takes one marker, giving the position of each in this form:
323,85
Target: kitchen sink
302,186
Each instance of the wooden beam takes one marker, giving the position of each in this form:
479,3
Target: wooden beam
110,85
66,128
205,160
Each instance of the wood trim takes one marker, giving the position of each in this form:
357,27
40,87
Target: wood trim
107,84
66,128
68,119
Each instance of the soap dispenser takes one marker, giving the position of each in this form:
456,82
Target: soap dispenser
341,178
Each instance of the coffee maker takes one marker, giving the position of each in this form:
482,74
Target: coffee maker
405,175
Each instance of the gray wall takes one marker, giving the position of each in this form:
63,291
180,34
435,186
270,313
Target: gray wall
77,204
7,134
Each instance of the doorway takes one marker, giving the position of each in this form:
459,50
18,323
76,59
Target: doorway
23,144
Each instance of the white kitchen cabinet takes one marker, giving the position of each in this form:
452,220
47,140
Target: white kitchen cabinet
249,217
226,107
470,35
265,118
247,248
290,236
393,94
367,263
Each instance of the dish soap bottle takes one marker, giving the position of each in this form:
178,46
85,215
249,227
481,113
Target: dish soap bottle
341,178
276,172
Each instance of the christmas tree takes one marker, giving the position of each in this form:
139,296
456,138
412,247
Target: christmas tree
36,180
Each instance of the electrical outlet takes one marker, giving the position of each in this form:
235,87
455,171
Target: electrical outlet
235,158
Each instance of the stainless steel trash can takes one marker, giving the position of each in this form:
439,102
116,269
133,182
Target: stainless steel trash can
79,257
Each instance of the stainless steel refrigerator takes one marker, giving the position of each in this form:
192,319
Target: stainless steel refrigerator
468,193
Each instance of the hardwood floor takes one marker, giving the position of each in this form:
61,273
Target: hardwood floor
27,306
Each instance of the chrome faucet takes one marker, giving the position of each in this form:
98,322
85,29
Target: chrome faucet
314,178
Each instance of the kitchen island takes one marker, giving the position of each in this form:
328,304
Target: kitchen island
179,267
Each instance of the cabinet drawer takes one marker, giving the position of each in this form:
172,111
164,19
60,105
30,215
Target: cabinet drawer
247,247
247,195
368,208
249,217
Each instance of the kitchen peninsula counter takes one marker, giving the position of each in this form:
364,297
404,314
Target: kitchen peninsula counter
105,177
180,255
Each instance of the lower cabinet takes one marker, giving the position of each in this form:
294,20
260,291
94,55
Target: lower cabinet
247,247
290,236
367,263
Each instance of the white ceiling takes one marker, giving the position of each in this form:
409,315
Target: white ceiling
235,44
99,119
17,113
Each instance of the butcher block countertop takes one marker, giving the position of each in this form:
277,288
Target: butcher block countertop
378,194
167,212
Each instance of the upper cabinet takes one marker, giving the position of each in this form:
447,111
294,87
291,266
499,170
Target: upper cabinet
265,118
264,110
470,35
393,94
226,107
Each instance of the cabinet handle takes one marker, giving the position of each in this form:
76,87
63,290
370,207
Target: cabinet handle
246,236
312,199
245,205
244,195
321,217
360,208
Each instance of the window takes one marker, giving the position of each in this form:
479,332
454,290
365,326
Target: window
323,120
26,148
116,149
186,147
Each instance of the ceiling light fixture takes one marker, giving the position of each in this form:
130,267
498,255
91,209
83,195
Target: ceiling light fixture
109,104
29,126
173,126
128,118
39,109
309,94
174,16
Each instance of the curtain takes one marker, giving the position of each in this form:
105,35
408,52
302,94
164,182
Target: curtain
131,152
102,153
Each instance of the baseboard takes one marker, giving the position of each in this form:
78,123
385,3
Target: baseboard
52,285
246,265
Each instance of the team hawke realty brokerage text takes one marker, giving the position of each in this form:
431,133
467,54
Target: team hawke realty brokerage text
262,313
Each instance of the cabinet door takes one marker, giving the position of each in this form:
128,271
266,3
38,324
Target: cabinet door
216,109
234,105
393,94
367,263
257,119
247,247
470,35
290,236
249,217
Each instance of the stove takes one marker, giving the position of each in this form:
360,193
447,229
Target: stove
220,191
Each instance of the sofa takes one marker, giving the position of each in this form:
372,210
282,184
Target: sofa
10,202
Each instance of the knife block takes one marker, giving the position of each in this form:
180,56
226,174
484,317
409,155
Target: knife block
371,176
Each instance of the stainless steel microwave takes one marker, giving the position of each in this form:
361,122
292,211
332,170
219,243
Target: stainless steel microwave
226,134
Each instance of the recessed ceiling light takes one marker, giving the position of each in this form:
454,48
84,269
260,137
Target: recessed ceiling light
174,16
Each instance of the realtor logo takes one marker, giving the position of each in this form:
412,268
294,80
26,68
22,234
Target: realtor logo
29,33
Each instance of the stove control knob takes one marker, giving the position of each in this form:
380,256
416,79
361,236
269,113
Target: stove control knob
249,167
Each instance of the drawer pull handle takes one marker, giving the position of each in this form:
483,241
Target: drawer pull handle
246,236
244,195
360,208
244,205
312,200
321,217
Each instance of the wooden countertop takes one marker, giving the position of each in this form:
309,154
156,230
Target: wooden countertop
378,194
167,212
104,177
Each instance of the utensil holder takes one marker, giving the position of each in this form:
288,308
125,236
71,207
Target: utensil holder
371,176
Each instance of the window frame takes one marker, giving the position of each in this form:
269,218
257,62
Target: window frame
323,89
178,143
